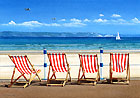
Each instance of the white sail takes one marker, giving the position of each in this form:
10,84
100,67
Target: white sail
118,37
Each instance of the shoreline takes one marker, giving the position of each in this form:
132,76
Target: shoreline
6,52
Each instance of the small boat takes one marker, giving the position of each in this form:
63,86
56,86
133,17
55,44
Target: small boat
118,37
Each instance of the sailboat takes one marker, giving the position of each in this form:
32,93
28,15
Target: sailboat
118,37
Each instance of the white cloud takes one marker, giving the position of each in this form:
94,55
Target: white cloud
62,20
109,36
100,20
12,22
135,20
99,35
116,15
52,24
75,20
55,24
31,23
87,20
118,21
101,15
74,24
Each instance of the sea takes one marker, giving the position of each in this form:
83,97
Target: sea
69,43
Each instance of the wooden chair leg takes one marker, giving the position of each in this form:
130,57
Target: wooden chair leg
38,75
31,79
13,74
15,81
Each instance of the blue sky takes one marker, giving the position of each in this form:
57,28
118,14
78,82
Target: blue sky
101,16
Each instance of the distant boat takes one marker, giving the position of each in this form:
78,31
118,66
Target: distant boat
118,37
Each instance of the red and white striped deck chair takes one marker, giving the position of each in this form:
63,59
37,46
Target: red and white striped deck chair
119,63
58,64
25,68
88,65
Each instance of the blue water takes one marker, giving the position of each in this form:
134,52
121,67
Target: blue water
69,43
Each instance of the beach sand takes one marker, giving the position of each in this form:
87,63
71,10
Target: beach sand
37,59
39,90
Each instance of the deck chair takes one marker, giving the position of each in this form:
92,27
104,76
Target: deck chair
88,65
58,64
25,68
119,63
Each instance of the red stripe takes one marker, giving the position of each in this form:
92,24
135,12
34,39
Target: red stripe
85,64
57,63
88,64
28,72
16,64
95,64
91,63
54,62
116,62
119,62
125,61
113,62
22,65
20,69
60,62
27,63
51,62
64,62
122,62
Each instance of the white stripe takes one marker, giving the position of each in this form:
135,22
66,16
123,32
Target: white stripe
82,57
20,64
90,63
26,64
93,63
86,63
24,69
55,62
114,61
58,62
126,61
62,62
52,61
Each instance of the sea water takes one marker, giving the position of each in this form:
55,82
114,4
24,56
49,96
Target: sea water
69,43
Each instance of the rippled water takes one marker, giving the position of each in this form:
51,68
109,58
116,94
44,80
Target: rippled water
69,43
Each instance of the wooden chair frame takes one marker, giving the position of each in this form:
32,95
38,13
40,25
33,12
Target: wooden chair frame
28,81
83,77
125,79
64,81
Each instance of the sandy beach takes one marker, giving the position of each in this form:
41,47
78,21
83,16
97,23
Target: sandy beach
39,90
72,90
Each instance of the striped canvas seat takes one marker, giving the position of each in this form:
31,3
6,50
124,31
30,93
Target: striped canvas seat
24,66
88,64
59,64
119,62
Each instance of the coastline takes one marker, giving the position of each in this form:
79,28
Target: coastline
6,52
